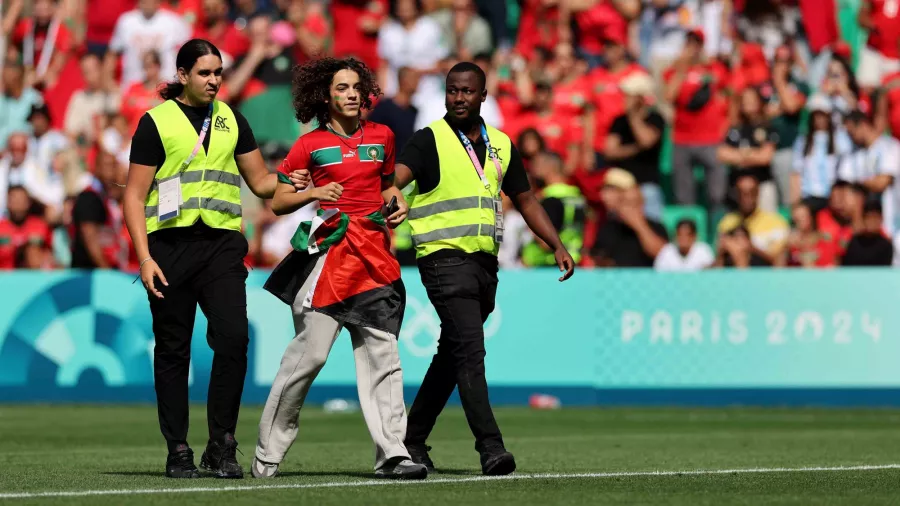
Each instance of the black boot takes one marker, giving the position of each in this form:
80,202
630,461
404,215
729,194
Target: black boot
497,462
220,458
180,463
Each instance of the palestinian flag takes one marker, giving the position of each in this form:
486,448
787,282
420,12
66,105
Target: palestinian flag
359,281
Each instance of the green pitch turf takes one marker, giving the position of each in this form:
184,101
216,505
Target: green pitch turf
88,448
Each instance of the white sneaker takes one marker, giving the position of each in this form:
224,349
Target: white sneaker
261,469
401,468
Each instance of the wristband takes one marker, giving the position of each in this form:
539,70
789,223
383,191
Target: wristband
144,261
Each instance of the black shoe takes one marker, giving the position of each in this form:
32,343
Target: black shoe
219,458
497,462
419,454
402,468
180,463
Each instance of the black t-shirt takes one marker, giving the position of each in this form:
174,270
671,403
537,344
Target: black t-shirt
751,136
645,165
147,147
421,156
401,121
868,250
618,242
89,208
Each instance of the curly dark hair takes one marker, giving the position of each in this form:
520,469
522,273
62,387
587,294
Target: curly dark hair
312,86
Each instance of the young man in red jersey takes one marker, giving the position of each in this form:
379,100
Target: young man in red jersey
341,272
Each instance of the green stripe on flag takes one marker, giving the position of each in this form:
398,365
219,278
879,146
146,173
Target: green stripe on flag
371,152
326,156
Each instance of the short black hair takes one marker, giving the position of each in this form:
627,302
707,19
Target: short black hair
858,188
687,222
467,66
856,116
872,206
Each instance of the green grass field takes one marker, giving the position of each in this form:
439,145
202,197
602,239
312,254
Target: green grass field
766,455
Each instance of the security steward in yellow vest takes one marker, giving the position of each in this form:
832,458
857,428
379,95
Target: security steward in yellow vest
457,231
564,204
183,210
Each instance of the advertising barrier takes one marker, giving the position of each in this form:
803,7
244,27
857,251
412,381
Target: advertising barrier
603,337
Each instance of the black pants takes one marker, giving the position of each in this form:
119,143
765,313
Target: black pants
463,292
206,267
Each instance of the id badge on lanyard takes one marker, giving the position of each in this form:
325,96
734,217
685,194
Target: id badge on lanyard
170,197
497,201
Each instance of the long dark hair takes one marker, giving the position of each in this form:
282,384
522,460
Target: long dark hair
188,55
807,149
312,87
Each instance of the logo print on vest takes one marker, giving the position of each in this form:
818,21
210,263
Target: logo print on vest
220,124
495,153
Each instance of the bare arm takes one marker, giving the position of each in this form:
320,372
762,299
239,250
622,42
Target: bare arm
587,147
760,156
879,183
253,170
140,177
615,151
650,242
539,223
12,15
241,76
403,176
287,199
629,9
729,155
795,187
791,103
864,18
881,111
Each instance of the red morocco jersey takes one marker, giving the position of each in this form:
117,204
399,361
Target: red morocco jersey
357,163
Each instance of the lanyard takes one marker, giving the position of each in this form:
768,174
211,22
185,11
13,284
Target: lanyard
200,139
478,168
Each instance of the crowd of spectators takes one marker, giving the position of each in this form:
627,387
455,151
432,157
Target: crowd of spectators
698,133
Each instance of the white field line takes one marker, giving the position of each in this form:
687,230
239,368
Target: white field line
373,483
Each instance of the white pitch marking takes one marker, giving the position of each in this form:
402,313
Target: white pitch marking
372,483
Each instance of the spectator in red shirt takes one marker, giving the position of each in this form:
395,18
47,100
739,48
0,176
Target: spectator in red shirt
880,56
19,227
595,18
843,216
141,97
45,43
222,32
887,106
101,20
694,86
560,132
539,27
806,245
356,25
607,101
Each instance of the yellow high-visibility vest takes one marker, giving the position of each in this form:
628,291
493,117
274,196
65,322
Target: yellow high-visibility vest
211,184
459,212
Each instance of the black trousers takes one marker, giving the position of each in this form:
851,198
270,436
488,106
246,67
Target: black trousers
206,267
462,291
